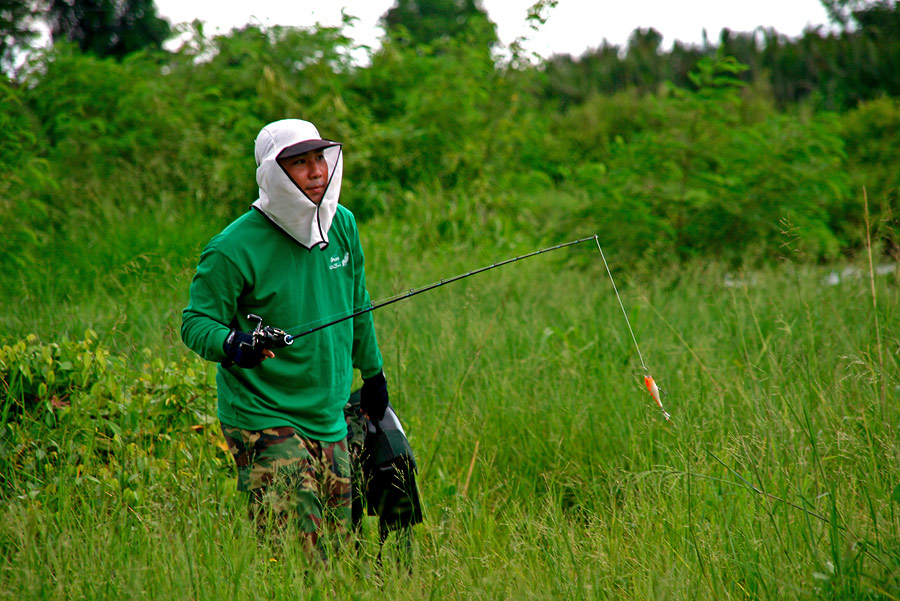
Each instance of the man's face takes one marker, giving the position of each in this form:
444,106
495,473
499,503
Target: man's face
309,171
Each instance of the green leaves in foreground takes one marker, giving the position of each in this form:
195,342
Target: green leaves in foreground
73,410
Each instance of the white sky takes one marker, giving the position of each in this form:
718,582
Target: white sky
573,26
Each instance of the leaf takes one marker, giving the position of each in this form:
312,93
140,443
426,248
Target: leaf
896,494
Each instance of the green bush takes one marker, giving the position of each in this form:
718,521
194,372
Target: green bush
873,155
24,175
698,179
78,395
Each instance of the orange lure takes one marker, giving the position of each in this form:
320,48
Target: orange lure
654,392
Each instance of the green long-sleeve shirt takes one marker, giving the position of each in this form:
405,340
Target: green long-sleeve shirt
254,267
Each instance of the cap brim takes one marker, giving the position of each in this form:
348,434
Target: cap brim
306,146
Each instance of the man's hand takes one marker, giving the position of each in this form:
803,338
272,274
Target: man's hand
239,349
373,397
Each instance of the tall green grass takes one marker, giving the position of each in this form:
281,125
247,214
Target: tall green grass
546,470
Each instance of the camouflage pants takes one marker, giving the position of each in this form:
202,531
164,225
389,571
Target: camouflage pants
292,478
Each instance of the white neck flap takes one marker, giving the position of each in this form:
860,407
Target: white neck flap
280,199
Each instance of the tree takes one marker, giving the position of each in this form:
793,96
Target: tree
844,12
880,20
108,27
644,60
425,21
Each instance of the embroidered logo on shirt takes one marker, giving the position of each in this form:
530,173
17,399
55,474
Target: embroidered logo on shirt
337,262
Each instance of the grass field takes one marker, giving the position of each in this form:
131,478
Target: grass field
545,468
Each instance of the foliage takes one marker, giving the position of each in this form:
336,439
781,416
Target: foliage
80,395
869,131
424,22
707,172
846,11
22,172
108,27
870,134
708,166
834,71
34,374
415,136
608,69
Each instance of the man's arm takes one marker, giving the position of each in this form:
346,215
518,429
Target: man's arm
214,293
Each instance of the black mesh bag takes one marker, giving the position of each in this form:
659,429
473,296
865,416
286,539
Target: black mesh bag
383,470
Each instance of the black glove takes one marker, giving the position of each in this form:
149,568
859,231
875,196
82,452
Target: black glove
238,346
373,397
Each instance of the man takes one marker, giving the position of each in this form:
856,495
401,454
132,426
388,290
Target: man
293,259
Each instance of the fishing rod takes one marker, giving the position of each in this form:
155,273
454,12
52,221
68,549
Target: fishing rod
270,337
438,284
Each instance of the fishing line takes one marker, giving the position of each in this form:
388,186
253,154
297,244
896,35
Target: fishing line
641,357
652,388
